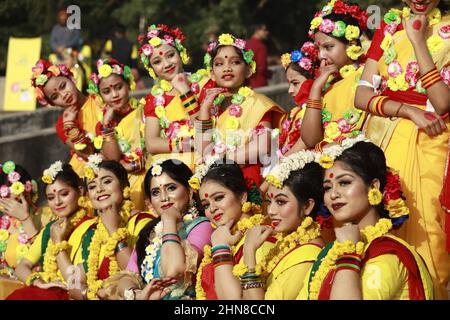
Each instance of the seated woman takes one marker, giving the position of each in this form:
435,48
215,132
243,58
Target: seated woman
233,207
120,132
294,199
170,246
63,190
20,222
55,86
366,261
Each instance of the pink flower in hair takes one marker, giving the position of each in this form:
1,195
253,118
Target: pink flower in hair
37,69
95,78
240,44
152,34
212,46
326,26
305,63
147,50
235,110
64,70
168,40
28,186
4,191
13,177
99,63
117,69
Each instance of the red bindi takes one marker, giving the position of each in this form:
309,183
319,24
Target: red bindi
160,53
226,57
331,175
417,25
206,195
271,195
54,191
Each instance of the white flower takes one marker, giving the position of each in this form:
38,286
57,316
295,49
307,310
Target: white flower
94,160
156,170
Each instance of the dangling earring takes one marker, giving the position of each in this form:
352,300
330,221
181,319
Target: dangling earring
193,211
126,193
375,196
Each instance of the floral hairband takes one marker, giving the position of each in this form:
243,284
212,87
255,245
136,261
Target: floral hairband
152,39
227,39
106,67
306,58
92,166
201,170
17,187
50,174
44,71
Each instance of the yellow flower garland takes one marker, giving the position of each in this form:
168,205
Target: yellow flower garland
369,234
242,225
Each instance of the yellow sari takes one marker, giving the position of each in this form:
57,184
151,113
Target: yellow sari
420,160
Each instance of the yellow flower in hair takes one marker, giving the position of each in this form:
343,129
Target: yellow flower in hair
151,72
347,70
55,70
245,91
274,181
315,23
98,142
253,66
286,60
17,188
194,183
386,43
166,85
89,173
160,111
397,208
132,85
4,235
354,52
246,207
79,146
184,56
435,43
156,41
127,193
326,162
47,179
105,71
352,32
434,16
232,123
226,39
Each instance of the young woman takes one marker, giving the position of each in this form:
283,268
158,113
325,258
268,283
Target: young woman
170,246
409,104
172,103
102,246
301,68
330,114
233,208
54,85
240,118
120,135
63,190
20,222
366,261
293,204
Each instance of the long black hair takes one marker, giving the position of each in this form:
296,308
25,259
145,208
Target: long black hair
177,171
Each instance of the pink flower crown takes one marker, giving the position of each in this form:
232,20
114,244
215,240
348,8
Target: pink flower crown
42,72
16,187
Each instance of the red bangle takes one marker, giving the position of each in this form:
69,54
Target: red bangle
370,101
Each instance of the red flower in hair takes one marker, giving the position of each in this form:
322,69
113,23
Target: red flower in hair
339,7
177,33
392,190
140,38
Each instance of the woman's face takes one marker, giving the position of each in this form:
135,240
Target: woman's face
422,6
295,80
62,198
346,194
166,62
229,70
61,91
105,190
221,204
115,92
332,50
283,209
166,192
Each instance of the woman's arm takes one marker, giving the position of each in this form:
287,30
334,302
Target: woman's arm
172,253
24,269
153,143
298,146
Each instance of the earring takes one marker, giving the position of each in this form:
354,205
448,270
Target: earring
126,193
193,209
375,197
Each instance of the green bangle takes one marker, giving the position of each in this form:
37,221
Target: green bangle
122,245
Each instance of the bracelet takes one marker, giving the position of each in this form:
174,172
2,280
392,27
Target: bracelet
377,107
60,247
430,78
202,125
370,101
122,245
398,110
186,95
314,104
319,147
32,277
252,285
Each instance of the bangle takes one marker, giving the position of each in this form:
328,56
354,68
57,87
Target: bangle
60,247
320,145
377,107
430,78
252,285
314,104
122,245
398,110
32,277
186,95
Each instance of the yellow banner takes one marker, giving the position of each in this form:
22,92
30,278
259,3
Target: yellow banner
23,53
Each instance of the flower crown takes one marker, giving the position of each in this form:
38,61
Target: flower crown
201,170
151,40
106,67
91,167
339,28
17,187
227,39
50,174
44,71
307,58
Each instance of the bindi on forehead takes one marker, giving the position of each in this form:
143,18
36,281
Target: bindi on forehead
331,176
206,195
161,53
270,195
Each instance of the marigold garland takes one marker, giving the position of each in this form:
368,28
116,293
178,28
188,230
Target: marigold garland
242,226
368,234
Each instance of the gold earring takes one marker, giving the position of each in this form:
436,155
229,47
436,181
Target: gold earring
375,196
